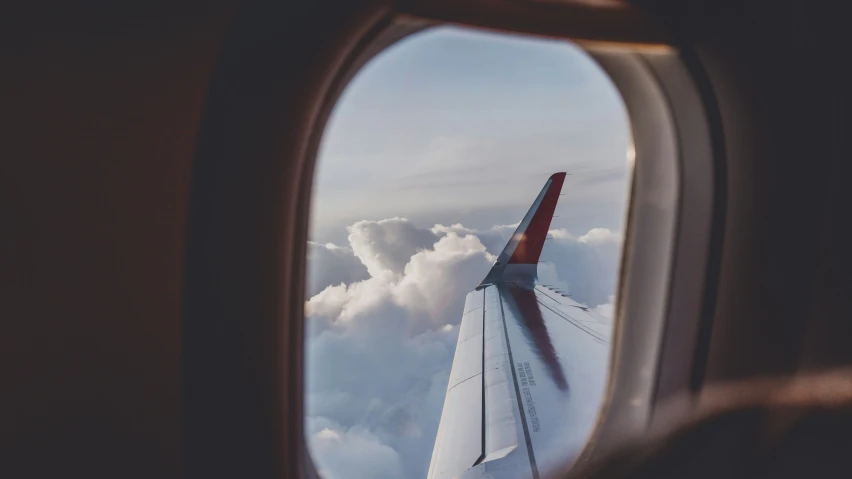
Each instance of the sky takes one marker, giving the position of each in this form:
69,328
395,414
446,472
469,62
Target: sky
433,153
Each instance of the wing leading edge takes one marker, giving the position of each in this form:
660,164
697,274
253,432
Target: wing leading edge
529,370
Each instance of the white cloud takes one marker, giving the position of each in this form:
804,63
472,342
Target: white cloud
595,236
607,310
561,233
328,435
354,452
460,229
343,302
386,246
380,347
432,277
600,236
331,264
431,282
586,266
457,228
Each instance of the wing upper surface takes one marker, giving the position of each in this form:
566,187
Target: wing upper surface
529,371
544,360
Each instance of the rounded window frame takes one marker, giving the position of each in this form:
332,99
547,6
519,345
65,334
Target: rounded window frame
660,316
667,284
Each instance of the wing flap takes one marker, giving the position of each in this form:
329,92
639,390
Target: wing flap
459,444
501,424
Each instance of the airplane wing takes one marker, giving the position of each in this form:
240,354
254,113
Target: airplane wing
529,370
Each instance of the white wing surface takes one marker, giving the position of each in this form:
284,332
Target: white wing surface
529,371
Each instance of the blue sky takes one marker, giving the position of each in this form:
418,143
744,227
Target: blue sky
438,144
459,125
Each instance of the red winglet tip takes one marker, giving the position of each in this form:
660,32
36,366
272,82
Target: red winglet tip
531,243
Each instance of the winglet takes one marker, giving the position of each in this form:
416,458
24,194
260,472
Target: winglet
519,258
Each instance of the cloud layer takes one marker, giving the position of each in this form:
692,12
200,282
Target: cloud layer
382,326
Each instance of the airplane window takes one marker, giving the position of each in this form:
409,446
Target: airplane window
466,231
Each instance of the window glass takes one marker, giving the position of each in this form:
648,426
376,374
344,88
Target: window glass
432,157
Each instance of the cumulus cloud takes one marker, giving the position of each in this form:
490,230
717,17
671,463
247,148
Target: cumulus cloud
600,236
382,329
494,238
586,266
606,310
432,278
427,281
345,450
331,264
380,349
386,246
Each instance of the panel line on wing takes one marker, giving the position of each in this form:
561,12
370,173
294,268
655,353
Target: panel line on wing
560,303
549,296
464,380
584,308
465,340
555,300
520,403
581,327
482,456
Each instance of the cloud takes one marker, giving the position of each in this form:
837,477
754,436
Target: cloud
585,266
432,278
607,310
383,381
331,264
386,246
382,330
351,452
380,349
600,236
494,238
407,271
